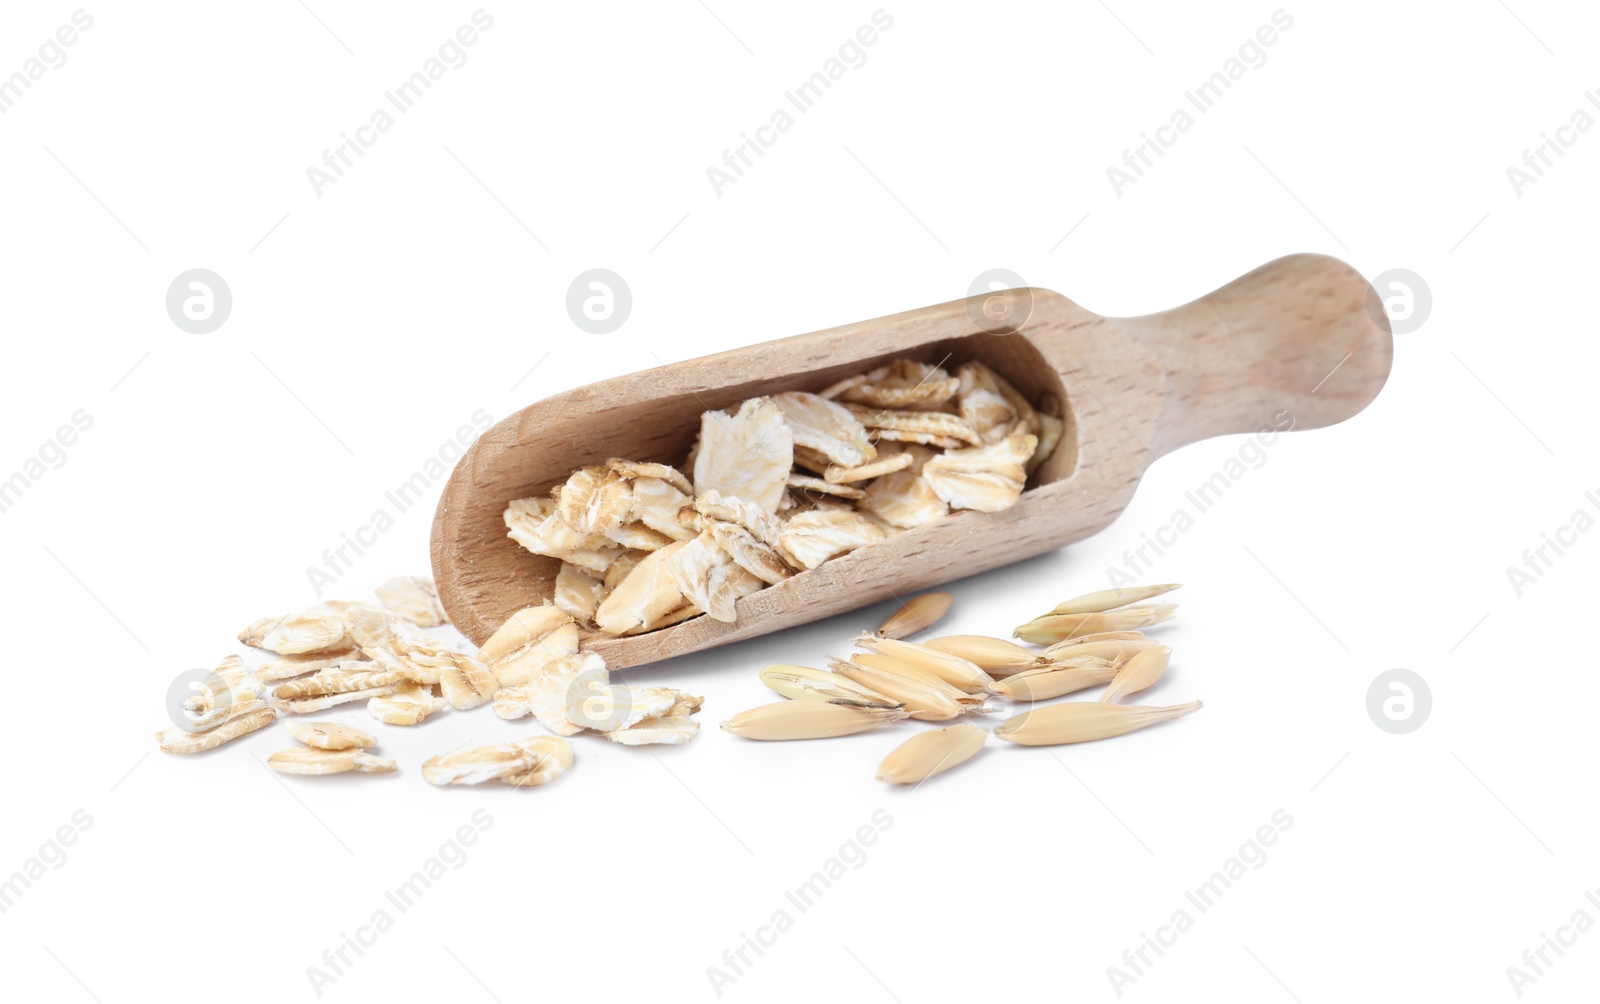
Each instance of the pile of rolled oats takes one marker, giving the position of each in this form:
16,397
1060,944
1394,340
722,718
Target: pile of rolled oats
779,486
340,652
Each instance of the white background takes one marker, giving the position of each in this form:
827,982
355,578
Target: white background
429,282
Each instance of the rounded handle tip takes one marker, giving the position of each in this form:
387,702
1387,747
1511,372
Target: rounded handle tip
1301,340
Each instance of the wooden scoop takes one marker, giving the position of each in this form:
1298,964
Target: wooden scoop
1292,342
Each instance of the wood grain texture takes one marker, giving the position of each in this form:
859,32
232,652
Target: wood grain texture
1294,337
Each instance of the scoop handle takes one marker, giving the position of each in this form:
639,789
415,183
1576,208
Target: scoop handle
1294,344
